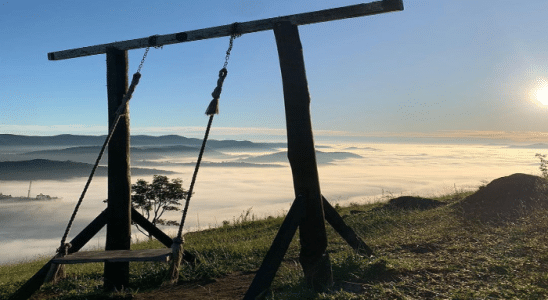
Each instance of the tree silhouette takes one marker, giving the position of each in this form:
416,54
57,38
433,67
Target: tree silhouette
154,199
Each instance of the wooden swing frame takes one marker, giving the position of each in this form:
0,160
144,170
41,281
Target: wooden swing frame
309,209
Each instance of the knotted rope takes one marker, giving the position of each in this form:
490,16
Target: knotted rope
211,111
120,112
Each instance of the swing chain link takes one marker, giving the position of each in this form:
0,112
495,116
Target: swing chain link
143,60
151,43
233,35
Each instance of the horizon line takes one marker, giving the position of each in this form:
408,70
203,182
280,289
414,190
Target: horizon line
227,132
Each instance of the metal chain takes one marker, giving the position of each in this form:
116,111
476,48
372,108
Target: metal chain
151,43
143,60
233,35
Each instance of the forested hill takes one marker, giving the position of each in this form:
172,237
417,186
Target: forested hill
43,169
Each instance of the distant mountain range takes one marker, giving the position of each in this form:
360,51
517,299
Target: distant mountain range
68,156
321,157
136,152
136,140
43,169
85,148
531,146
231,164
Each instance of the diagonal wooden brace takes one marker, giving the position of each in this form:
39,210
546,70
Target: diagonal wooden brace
36,281
140,220
271,262
347,233
275,254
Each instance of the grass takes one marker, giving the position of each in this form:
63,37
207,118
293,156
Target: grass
430,254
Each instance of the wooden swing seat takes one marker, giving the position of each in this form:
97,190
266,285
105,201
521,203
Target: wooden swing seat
159,255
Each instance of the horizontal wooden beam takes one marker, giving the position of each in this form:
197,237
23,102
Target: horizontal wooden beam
352,11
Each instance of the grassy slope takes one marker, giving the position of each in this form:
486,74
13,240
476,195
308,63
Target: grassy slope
419,254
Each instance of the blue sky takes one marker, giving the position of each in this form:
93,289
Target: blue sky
439,68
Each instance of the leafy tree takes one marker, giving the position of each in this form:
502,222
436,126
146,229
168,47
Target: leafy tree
543,164
154,199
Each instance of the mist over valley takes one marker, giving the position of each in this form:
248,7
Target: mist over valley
235,176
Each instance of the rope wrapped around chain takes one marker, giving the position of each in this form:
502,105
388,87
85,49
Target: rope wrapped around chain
213,108
127,96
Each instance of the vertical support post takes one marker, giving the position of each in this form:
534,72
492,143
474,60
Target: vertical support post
119,181
302,157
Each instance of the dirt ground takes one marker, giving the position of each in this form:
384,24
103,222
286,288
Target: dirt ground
233,286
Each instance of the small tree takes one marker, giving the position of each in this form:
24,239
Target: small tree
156,198
543,164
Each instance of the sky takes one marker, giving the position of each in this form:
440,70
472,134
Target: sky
440,68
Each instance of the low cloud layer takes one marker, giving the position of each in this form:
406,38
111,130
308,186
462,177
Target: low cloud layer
225,193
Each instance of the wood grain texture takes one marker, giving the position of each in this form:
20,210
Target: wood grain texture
161,255
119,177
352,11
302,156
347,233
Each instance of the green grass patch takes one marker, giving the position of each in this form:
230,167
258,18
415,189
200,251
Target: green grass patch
419,254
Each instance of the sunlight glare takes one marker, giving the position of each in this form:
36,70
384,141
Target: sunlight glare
538,93
542,95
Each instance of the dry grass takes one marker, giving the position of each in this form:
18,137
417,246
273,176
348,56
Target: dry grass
419,254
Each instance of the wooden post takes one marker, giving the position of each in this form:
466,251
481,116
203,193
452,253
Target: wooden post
57,271
119,181
302,157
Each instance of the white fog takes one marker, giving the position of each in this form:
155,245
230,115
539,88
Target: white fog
33,229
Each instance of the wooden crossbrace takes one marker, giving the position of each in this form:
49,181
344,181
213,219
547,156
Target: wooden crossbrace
352,11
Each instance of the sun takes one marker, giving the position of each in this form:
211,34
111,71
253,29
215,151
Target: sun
541,95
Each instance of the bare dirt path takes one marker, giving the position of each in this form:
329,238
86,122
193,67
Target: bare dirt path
233,286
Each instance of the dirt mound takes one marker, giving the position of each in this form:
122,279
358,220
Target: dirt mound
506,198
409,202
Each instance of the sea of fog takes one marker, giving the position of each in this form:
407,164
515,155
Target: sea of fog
29,230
